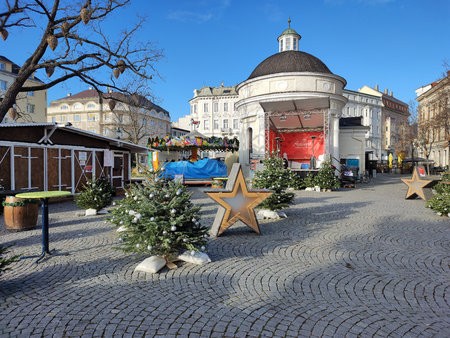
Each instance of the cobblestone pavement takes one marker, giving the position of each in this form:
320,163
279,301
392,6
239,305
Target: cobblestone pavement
360,262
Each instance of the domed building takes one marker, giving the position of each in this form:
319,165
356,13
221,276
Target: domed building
290,104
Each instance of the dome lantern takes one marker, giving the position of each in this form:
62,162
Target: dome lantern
289,39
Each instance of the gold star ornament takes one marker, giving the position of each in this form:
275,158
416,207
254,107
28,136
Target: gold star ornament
418,186
236,203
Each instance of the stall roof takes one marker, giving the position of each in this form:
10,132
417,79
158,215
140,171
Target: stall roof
54,133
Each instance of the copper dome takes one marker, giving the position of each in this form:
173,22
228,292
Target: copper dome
289,62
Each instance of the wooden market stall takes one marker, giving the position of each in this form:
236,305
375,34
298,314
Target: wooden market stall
49,156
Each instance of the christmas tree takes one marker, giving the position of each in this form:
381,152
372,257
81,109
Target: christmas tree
278,179
96,194
325,178
158,218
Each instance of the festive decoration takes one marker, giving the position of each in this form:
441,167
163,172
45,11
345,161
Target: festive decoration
49,70
158,218
112,104
4,34
187,142
418,186
52,41
276,178
65,28
116,73
85,15
121,66
236,202
96,194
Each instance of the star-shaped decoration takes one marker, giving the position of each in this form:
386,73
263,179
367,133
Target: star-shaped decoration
236,203
418,186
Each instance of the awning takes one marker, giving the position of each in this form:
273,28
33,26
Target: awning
296,115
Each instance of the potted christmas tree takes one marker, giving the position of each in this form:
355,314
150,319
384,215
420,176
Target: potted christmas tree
158,218
326,178
278,179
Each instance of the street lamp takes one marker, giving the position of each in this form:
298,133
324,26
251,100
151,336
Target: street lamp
119,133
313,158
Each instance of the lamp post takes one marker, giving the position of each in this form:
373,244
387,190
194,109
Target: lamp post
313,158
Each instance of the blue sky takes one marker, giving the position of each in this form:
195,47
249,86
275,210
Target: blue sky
397,44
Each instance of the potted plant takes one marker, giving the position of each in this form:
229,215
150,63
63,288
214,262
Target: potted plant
20,214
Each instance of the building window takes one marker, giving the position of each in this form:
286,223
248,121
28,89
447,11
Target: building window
30,93
235,124
2,66
63,118
64,107
3,85
294,45
215,107
288,43
77,106
90,106
195,108
206,124
216,124
30,108
225,123
92,117
53,119
205,107
120,118
77,118
225,106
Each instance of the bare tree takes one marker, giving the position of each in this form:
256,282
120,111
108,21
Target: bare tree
73,45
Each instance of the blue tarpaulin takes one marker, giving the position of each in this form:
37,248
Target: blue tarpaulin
202,169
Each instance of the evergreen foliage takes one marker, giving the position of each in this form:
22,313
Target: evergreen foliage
4,261
96,194
158,217
325,178
440,202
276,178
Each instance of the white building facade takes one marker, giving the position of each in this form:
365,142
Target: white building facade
87,111
212,112
369,108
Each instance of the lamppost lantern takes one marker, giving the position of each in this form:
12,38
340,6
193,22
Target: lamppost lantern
119,133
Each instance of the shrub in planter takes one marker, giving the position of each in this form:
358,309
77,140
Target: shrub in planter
96,194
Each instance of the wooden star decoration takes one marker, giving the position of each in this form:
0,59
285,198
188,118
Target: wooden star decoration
418,186
236,203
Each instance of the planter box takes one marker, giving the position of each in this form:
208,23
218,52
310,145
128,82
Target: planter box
20,217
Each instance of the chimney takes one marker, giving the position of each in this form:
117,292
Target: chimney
69,94
392,93
386,91
377,88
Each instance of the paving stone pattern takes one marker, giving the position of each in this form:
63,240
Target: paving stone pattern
360,262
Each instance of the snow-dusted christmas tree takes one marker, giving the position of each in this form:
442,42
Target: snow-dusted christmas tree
326,178
158,218
278,179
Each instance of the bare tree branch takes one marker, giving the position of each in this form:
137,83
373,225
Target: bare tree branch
72,45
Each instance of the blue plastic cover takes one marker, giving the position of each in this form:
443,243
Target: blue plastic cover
202,169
